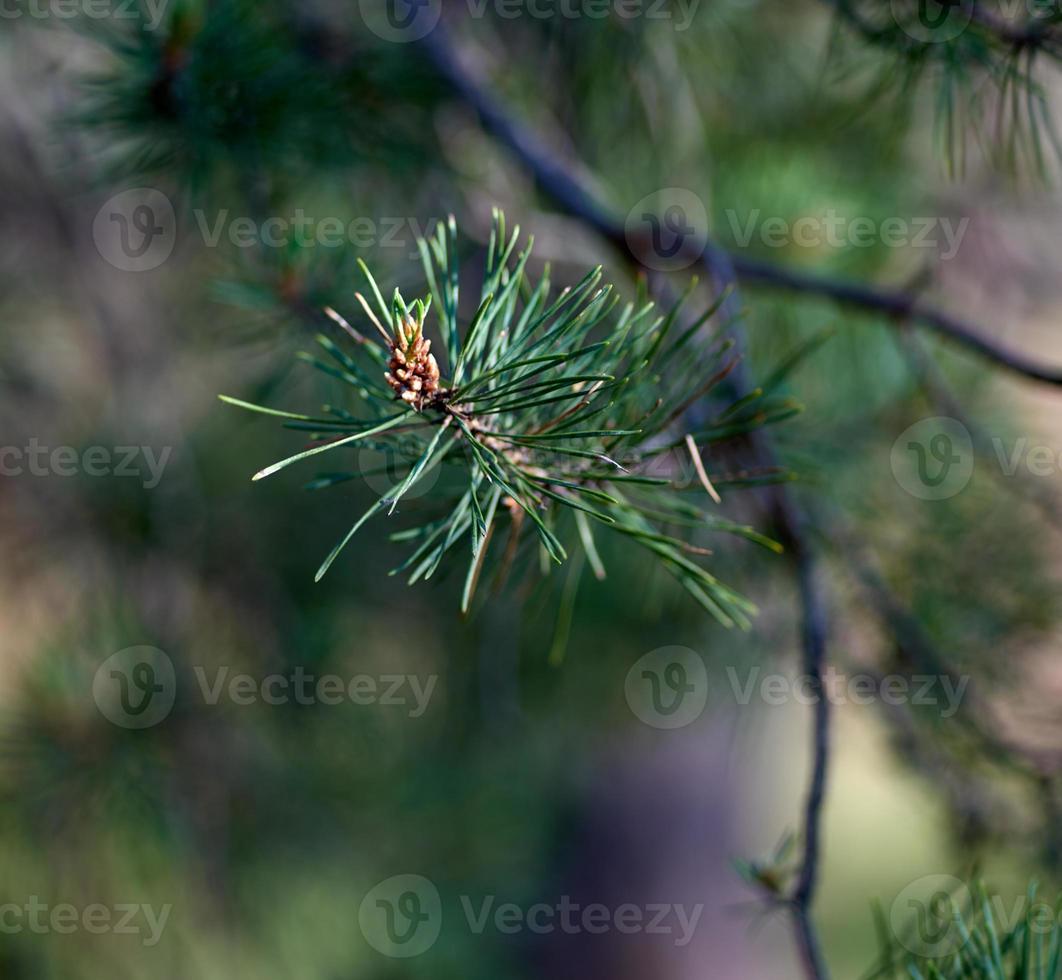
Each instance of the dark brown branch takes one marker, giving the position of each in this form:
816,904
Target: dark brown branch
814,642
555,178
900,307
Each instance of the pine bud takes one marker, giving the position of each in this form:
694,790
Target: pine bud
414,372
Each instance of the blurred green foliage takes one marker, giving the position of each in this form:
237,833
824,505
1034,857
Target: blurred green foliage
265,825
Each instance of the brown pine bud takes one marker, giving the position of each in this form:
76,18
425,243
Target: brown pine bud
414,373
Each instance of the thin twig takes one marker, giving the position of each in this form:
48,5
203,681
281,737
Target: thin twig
814,635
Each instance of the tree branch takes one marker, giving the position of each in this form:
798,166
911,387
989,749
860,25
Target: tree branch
901,307
814,642
555,178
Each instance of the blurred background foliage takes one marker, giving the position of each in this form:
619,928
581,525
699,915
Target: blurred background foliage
265,825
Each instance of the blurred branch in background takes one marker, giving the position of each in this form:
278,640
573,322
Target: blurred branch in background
557,178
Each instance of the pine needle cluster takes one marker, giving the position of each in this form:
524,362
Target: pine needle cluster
557,416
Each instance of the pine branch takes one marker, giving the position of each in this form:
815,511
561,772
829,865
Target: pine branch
545,407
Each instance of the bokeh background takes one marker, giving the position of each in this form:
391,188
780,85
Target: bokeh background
528,776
